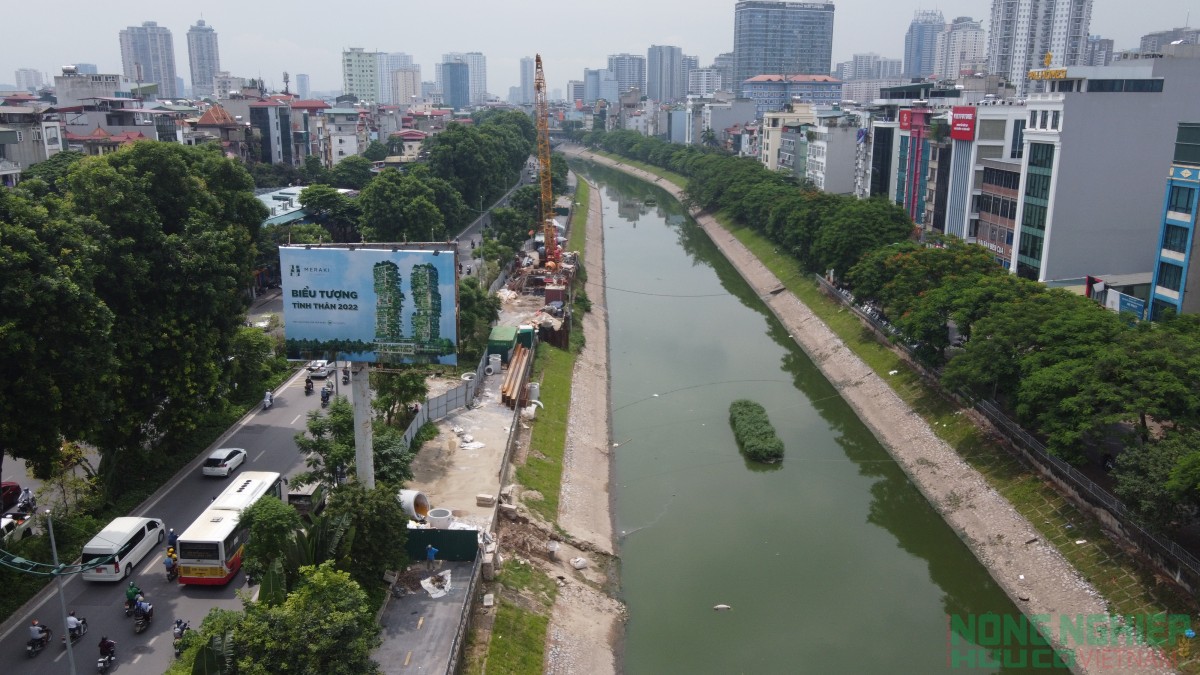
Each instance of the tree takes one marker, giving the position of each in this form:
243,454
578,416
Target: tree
353,172
314,170
393,457
379,529
1157,481
325,626
272,525
376,152
53,170
392,391
477,309
333,209
55,332
398,207
328,444
250,354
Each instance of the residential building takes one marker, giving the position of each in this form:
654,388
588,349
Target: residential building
406,85
704,82
920,43
1176,284
309,134
456,85
871,66
303,89
630,70
360,74
1152,43
27,136
389,63
865,91
781,37
226,85
831,153
105,116
272,121
599,84
1099,51
476,75
1083,210
86,68
345,133
690,63
961,47
726,119
664,73
29,79
203,59
772,150
73,88
726,64
148,56
773,92
526,93
431,92
1027,34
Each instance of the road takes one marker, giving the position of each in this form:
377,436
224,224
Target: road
466,255
268,436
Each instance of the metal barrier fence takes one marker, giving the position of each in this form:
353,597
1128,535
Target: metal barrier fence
1181,564
439,406
464,621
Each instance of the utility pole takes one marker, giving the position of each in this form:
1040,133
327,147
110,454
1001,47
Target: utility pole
62,600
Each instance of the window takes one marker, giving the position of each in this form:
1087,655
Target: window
1018,144
1041,155
1169,275
1033,119
1180,199
1175,239
1034,217
1054,120
1037,186
1045,116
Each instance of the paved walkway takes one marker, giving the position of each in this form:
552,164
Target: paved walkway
1037,578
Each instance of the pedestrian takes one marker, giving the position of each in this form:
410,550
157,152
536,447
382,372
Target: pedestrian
430,556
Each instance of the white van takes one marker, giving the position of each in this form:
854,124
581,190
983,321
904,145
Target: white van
126,541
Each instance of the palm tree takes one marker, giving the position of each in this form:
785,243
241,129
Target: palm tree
708,137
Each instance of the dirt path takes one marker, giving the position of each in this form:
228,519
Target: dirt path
1037,578
585,624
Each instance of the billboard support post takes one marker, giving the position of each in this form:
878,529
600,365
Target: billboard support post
364,440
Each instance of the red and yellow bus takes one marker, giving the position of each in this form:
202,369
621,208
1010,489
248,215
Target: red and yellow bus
210,550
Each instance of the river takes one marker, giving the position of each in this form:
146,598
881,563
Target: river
831,561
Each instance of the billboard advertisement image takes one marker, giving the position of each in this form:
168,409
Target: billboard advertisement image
375,305
962,123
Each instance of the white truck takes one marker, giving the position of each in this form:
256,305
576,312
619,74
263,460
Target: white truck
15,526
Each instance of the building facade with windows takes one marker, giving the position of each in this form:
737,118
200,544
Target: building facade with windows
204,59
774,92
630,70
148,56
1176,285
781,37
456,85
665,74
962,46
360,74
1028,34
920,43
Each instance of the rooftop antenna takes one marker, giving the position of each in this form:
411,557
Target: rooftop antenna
286,79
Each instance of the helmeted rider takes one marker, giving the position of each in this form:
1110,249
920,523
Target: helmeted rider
107,647
268,397
171,561
172,538
72,624
143,608
38,632
132,593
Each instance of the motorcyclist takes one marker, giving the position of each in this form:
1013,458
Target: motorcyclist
172,538
72,624
171,562
308,385
27,502
108,648
132,593
268,398
143,608
39,632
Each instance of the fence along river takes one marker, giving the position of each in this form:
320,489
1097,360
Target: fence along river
831,561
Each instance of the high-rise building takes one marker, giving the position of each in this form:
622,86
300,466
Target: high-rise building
148,56
1099,51
406,85
203,58
456,84
1152,43
29,79
872,66
782,38
528,75
360,74
86,69
664,73
476,74
961,46
690,63
599,84
920,42
575,91
302,87
388,64
727,65
704,82
1025,35
630,70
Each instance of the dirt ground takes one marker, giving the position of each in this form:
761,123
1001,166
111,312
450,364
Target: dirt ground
1037,578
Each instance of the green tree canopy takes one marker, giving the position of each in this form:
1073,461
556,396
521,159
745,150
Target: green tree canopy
376,151
272,525
353,172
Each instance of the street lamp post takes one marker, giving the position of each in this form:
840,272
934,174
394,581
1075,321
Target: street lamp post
61,596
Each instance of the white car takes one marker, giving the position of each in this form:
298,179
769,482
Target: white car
320,369
222,462
15,526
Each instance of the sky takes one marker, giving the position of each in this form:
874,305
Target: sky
267,37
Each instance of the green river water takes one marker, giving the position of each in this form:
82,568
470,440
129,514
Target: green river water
832,561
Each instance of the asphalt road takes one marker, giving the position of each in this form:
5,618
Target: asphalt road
268,437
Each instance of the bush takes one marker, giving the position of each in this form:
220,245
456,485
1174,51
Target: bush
754,433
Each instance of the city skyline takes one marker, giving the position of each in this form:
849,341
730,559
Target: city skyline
498,30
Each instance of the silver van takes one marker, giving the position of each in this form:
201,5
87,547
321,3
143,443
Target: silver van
122,545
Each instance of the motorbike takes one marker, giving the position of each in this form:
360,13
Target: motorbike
173,572
180,628
80,632
36,645
308,387
325,394
27,503
141,620
268,401
105,662
346,376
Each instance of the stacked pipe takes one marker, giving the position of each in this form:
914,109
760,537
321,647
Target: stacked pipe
514,380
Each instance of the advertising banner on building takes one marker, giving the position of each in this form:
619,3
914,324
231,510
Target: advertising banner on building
905,120
1122,304
374,305
962,123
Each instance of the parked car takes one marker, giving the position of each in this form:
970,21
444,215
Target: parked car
222,462
10,492
15,527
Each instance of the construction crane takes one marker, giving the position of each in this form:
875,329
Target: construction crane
542,110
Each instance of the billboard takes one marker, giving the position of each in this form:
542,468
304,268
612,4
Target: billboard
905,120
962,123
378,305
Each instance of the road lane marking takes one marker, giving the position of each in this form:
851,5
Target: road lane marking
137,658
420,622
259,455
296,419
407,658
151,642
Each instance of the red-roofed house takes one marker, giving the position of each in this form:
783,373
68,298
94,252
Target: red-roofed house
101,142
217,123
408,142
